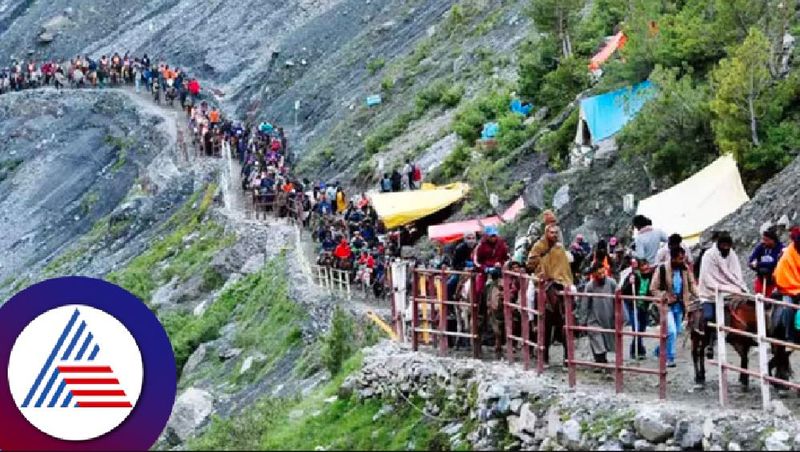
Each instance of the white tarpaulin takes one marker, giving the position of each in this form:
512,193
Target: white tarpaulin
699,202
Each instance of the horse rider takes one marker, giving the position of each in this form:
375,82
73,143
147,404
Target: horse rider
548,261
719,270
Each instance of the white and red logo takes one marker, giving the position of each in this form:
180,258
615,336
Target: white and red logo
75,372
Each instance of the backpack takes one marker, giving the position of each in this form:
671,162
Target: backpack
417,174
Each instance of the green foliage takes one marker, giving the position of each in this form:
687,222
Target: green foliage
441,92
7,167
378,140
168,258
387,84
556,144
456,163
121,145
602,21
562,85
470,118
338,344
374,65
212,280
345,424
451,97
558,18
673,129
268,322
537,57
740,82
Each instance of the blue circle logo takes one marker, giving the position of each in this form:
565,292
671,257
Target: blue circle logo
88,366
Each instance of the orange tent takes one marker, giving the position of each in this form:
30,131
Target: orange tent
615,42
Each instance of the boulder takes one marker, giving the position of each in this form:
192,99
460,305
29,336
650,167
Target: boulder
527,419
191,411
689,434
777,440
570,434
652,426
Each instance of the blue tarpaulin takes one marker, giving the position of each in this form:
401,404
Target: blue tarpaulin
490,130
518,107
606,114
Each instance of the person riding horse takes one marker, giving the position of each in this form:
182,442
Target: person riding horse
548,261
720,271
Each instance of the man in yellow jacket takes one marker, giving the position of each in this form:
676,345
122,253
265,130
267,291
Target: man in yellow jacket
548,261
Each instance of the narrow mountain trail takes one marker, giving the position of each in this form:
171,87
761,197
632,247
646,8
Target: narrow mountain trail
237,209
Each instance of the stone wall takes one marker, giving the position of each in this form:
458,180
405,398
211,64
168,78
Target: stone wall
496,406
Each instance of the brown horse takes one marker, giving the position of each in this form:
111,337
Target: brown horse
740,314
554,317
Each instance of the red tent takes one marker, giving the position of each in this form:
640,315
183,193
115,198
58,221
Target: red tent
451,232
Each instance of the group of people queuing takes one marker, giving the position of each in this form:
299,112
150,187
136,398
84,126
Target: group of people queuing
85,71
351,237
407,178
652,266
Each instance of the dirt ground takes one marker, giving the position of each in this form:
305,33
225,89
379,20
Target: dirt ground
680,380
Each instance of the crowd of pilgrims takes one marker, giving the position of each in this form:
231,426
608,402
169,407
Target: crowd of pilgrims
350,236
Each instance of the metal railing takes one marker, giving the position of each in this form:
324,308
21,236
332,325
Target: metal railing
526,311
618,366
429,310
333,279
431,304
761,339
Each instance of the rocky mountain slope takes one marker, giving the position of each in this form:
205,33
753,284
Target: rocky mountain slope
97,183
71,159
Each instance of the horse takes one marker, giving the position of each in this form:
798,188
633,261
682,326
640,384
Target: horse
494,294
554,317
740,314
463,314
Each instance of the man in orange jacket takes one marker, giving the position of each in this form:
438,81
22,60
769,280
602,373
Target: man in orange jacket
787,279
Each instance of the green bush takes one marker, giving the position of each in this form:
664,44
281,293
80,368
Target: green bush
562,85
374,65
557,144
455,163
451,97
338,344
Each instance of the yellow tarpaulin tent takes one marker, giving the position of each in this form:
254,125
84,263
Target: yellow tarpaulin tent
399,208
699,202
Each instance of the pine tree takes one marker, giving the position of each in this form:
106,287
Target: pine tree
739,84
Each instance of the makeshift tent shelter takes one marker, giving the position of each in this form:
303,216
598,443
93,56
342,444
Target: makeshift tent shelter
699,202
602,116
612,44
450,232
400,208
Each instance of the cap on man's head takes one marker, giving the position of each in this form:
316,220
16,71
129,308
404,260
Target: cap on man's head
490,230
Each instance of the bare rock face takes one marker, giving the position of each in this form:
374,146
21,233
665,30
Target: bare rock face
72,158
191,411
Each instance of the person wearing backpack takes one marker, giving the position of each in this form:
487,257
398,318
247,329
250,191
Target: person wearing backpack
674,282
